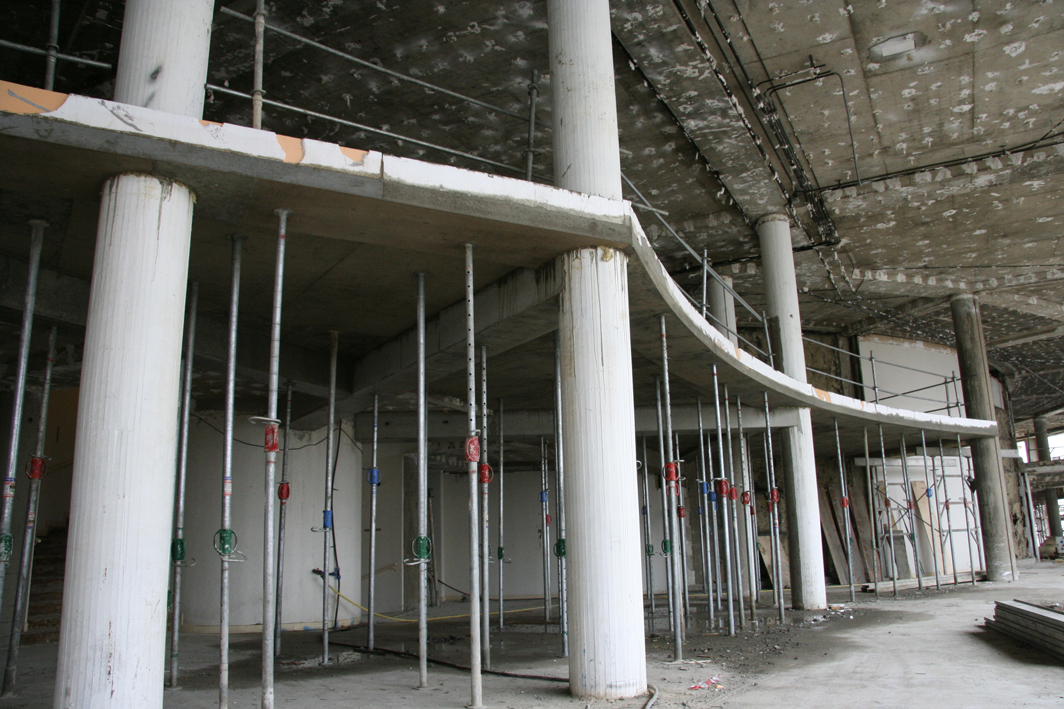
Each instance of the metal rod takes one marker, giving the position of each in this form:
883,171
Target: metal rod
736,555
283,491
845,510
705,280
472,457
530,151
29,305
945,503
44,53
666,532
327,513
723,494
269,556
485,502
36,473
672,483
559,503
964,498
703,518
930,492
773,506
177,551
362,127
648,544
681,515
260,41
374,483
423,547
872,514
911,502
225,539
748,514
544,504
886,505
500,556
718,578
52,47
374,67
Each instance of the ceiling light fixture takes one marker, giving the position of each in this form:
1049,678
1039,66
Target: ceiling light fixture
901,44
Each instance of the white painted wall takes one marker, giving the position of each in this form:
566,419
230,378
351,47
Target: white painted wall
941,361
303,548
390,551
965,545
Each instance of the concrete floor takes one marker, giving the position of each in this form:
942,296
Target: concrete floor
924,649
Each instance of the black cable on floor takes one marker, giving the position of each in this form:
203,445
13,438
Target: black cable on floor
444,663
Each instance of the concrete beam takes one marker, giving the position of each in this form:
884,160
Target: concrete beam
514,310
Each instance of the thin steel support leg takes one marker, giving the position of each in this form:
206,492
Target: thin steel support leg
666,532
177,547
964,498
485,506
932,505
36,473
747,508
872,514
732,503
559,502
845,510
774,514
648,543
722,490
327,513
283,492
544,504
422,546
944,496
374,480
672,482
911,501
472,456
703,518
886,509
500,556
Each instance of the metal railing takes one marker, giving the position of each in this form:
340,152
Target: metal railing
951,400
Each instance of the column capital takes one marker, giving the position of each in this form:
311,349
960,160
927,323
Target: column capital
774,217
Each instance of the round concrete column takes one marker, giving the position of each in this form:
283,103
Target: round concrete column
722,307
607,656
808,587
113,630
986,455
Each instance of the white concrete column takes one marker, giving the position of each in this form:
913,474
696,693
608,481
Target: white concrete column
722,307
808,590
113,630
607,657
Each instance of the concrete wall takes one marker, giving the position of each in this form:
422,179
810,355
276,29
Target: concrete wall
303,548
940,360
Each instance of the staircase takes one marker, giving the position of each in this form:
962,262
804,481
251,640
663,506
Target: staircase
46,590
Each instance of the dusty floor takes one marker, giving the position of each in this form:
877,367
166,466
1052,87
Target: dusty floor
924,649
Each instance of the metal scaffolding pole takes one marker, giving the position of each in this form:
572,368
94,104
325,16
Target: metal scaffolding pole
500,556
681,515
666,534
968,536
748,507
35,472
944,496
284,490
52,47
260,41
422,546
269,558
932,505
732,503
559,503
29,304
872,514
718,576
845,502
648,544
472,459
485,501
177,546
373,477
774,515
703,518
327,513
722,491
672,483
544,504
911,513
886,505
225,539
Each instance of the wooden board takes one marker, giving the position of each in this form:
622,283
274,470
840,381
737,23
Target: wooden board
863,527
764,546
927,519
831,536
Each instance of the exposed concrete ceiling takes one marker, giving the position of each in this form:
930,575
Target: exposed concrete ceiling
958,143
